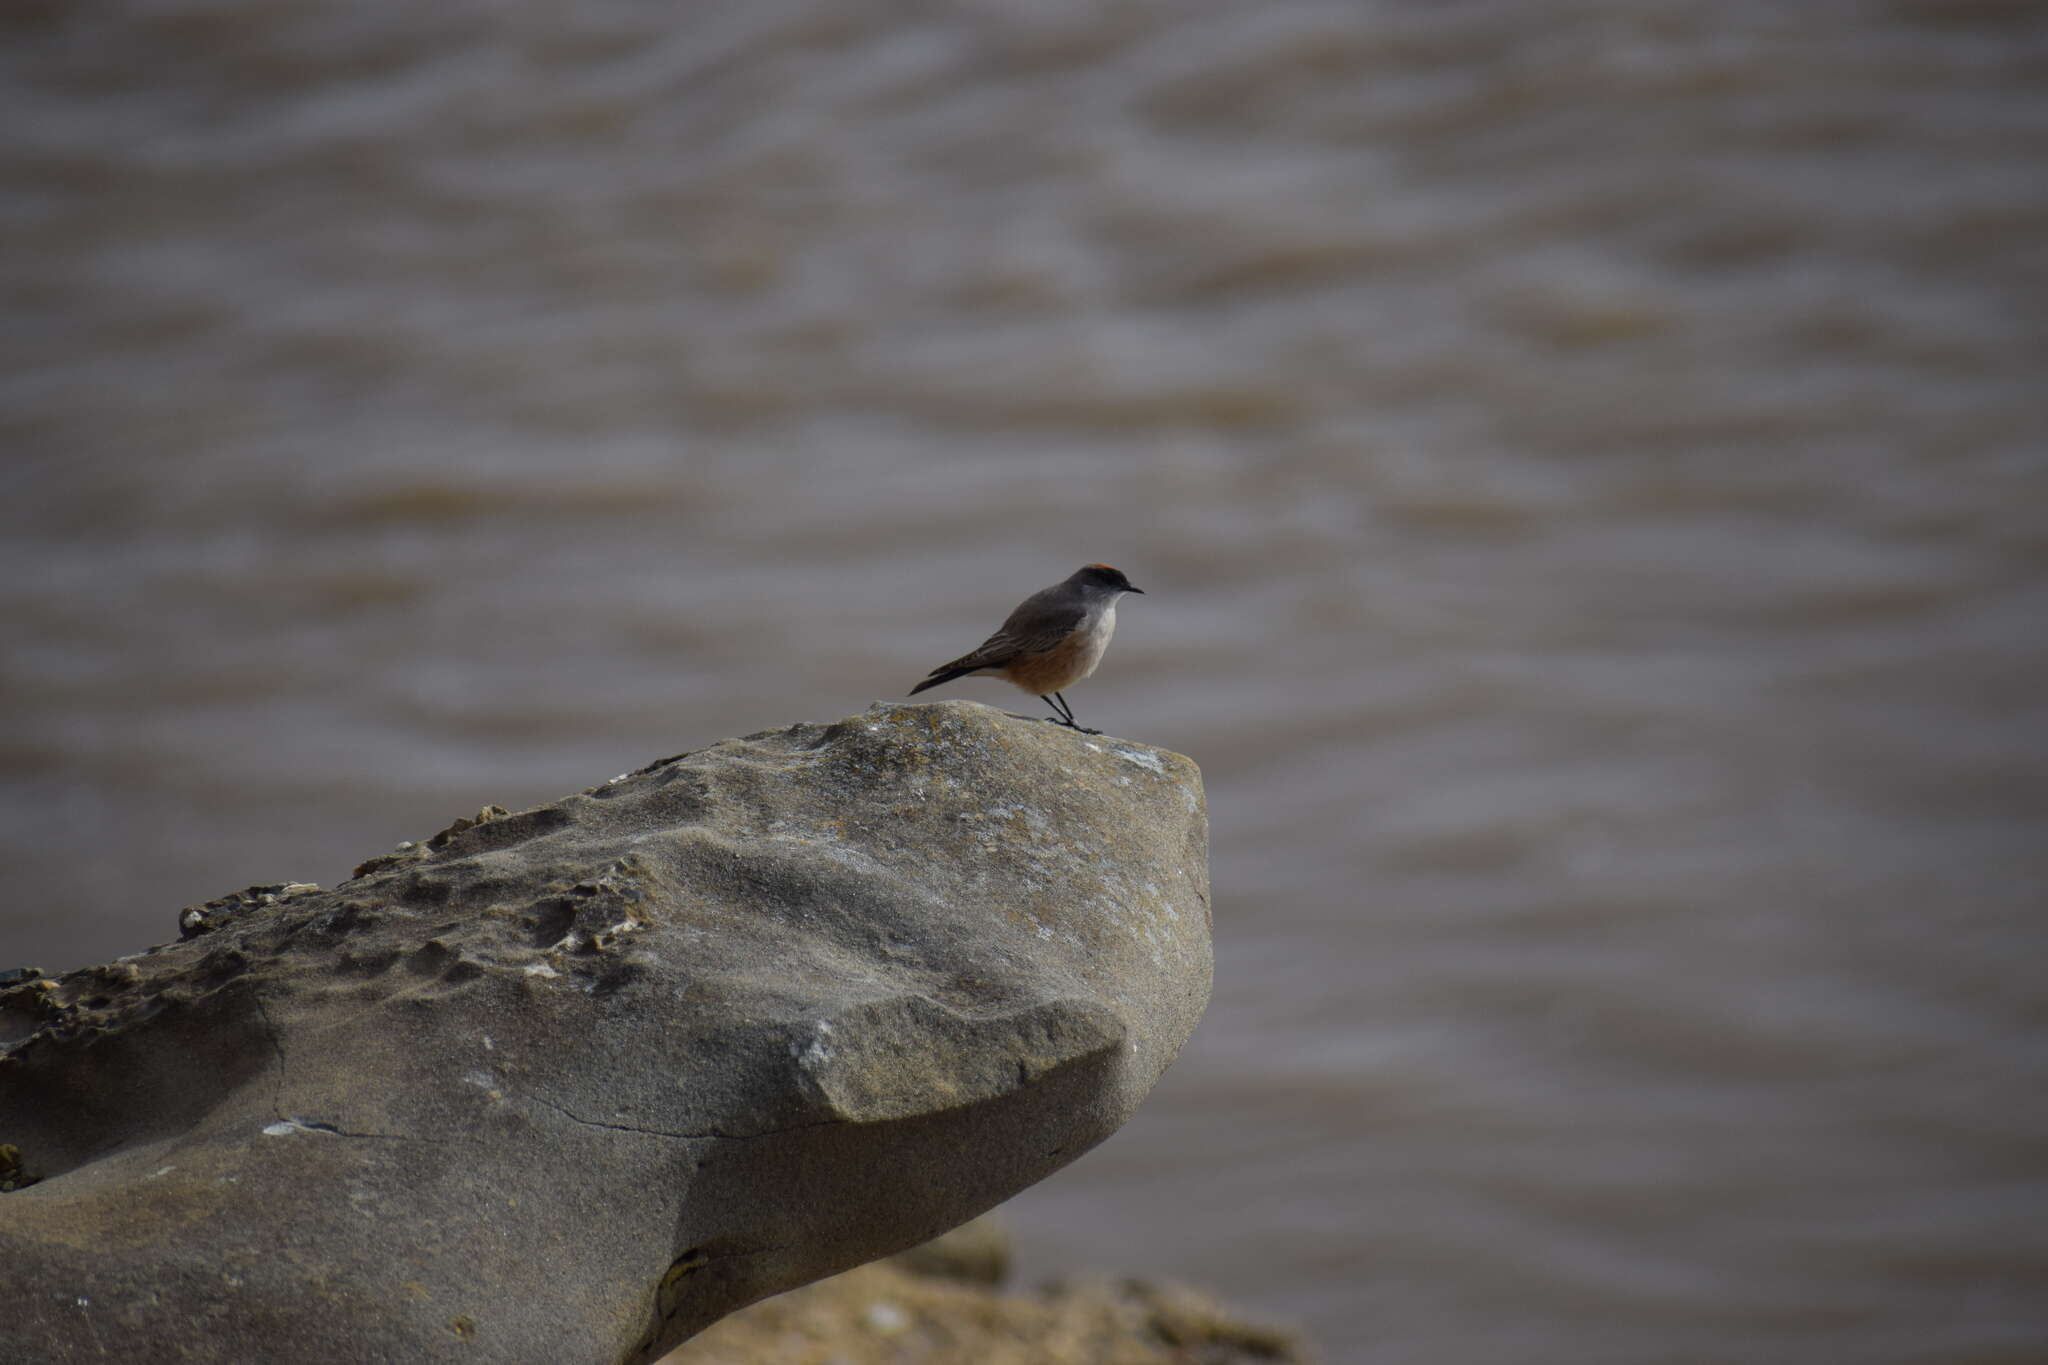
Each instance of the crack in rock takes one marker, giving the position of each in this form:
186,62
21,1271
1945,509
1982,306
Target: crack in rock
709,1135
286,1126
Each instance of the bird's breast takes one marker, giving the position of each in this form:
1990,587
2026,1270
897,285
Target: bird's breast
1091,640
1066,663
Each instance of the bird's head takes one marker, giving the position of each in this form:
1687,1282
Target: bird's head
1102,578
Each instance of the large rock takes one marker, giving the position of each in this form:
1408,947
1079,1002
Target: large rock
568,1085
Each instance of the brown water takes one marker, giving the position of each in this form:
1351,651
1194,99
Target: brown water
1587,462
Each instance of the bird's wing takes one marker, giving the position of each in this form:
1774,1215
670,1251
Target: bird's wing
1033,628
1001,647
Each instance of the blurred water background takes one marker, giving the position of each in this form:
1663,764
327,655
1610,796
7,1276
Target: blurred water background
1586,461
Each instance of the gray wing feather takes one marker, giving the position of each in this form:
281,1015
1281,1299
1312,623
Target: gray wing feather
1039,623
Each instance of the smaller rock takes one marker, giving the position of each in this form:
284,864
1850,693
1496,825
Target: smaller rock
14,976
886,1319
881,1314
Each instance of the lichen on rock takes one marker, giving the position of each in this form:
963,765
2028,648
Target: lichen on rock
572,1083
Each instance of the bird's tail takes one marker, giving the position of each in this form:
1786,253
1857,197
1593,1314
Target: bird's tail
940,675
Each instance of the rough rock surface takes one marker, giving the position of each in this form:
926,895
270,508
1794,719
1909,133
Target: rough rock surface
571,1084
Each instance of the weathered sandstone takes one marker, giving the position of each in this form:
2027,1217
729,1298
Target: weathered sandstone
570,1084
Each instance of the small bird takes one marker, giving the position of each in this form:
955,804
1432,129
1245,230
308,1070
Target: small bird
1052,640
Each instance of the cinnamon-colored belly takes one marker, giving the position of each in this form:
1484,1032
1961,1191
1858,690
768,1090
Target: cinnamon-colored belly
1063,665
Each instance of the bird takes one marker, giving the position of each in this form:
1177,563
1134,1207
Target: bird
1051,641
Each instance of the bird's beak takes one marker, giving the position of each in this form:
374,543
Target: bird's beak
1139,591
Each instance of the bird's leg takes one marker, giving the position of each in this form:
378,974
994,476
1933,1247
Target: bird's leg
1067,714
